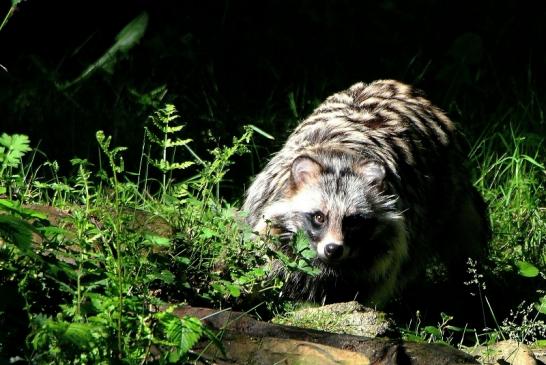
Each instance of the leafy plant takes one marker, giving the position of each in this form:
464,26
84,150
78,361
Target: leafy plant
111,261
302,255
167,140
126,39
512,182
443,332
181,335
12,9
525,323
12,149
98,272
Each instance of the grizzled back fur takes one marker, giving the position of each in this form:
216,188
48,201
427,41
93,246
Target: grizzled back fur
375,177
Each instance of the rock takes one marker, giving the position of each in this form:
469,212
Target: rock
540,355
347,318
270,350
504,353
135,219
248,340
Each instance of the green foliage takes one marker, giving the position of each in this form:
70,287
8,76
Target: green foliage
14,227
181,334
95,283
525,323
99,269
526,269
127,38
12,9
303,255
212,174
167,141
512,182
93,279
115,160
443,332
529,270
112,253
109,276
12,149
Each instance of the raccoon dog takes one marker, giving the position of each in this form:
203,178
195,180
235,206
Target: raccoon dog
375,178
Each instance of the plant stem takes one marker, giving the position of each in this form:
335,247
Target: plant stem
8,15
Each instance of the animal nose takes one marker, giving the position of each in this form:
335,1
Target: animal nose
333,251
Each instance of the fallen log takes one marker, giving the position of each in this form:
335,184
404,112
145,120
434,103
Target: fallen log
249,341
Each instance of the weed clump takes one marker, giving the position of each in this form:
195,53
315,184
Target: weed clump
95,260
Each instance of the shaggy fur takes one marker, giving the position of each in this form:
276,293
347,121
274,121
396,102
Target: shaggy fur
375,177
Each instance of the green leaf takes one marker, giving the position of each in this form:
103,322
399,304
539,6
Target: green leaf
305,254
533,161
165,166
181,333
541,305
301,243
539,343
433,331
132,33
98,301
17,232
526,269
308,253
15,147
79,334
412,337
174,356
460,329
166,276
16,208
155,240
208,233
129,36
52,231
257,273
234,290
102,140
177,142
8,205
182,260
261,132
225,288
305,267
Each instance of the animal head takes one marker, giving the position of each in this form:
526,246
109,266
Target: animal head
343,203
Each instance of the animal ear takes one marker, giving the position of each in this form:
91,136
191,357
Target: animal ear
373,172
304,170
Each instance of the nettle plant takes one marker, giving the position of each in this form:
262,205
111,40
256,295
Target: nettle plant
95,270
213,249
85,285
12,149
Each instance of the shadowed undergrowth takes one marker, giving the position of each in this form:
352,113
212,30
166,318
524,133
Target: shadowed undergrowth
90,276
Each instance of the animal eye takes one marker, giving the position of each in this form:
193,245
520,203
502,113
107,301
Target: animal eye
318,218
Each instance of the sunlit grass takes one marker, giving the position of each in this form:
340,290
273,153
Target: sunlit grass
511,179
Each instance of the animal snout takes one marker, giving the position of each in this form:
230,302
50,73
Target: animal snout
333,251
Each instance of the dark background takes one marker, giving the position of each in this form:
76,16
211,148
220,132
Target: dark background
268,63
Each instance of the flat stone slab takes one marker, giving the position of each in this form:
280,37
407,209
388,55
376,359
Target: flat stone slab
345,318
249,341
